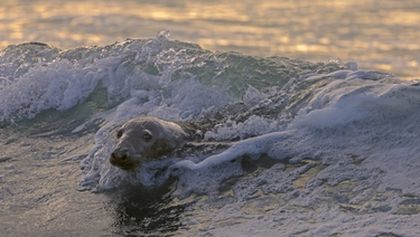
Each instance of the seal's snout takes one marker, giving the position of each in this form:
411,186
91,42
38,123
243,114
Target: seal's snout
119,157
122,159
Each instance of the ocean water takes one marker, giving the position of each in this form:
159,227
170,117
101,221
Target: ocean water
311,146
378,34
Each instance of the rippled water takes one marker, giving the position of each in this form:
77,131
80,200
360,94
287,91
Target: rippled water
309,148
380,34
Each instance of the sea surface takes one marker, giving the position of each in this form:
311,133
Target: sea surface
378,34
315,104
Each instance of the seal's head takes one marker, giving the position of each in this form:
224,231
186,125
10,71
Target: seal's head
145,138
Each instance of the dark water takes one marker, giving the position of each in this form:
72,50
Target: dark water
39,177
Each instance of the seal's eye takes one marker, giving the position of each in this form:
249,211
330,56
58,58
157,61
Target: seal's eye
147,135
119,133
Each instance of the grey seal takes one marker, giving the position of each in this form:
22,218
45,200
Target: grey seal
143,139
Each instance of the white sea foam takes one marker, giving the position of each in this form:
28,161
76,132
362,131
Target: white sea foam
365,134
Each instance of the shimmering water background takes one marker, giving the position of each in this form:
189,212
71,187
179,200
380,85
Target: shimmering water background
378,34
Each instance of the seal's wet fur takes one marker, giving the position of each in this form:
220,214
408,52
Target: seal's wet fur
145,138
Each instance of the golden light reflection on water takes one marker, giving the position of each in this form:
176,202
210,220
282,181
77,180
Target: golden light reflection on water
381,34
403,18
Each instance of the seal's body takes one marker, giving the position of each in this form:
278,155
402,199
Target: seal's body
145,138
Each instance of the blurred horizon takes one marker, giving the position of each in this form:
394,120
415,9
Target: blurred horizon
377,34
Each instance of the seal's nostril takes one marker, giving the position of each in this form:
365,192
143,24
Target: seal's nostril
124,157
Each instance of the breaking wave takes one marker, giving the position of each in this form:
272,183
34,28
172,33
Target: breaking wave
311,126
